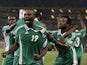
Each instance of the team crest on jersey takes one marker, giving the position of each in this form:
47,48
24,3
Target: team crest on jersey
70,42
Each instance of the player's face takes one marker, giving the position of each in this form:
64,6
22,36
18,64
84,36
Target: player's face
62,22
11,20
29,15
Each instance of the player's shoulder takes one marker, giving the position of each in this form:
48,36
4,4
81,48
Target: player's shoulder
20,22
5,27
80,31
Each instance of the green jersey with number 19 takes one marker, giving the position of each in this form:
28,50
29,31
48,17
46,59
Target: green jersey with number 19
30,42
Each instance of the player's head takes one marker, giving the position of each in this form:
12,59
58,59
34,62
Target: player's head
29,16
63,22
11,19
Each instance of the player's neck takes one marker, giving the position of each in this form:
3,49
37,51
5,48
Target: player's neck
63,30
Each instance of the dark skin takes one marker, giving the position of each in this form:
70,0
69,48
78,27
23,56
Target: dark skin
29,18
64,28
12,23
61,42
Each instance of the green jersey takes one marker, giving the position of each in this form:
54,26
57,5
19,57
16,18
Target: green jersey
30,42
9,41
38,24
74,41
19,30
65,55
19,27
19,24
79,36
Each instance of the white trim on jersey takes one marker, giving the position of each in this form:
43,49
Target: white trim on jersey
39,25
18,28
75,61
6,38
82,47
20,56
45,44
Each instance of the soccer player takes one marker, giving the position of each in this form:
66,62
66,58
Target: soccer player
35,46
79,36
38,24
65,56
28,18
9,40
21,27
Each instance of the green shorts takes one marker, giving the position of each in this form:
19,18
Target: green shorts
66,59
60,61
8,61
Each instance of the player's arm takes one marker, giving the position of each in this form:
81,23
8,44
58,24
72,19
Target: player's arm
10,28
58,43
43,52
44,49
82,22
50,38
11,50
67,33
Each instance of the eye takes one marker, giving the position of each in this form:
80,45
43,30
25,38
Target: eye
27,14
11,19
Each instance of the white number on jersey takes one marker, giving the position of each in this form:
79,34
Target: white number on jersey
77,42
34,38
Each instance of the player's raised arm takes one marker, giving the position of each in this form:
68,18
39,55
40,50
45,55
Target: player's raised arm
68,32
10,28
82,22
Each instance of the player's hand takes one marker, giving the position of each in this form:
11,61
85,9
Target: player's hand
4,54
36,56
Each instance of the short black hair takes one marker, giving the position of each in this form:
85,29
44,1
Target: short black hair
68,19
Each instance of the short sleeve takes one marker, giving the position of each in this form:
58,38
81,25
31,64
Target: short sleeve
3,30
20,22
45,44
83,32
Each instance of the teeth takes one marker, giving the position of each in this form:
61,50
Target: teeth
27,21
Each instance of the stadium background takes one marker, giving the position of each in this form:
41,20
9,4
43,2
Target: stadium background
49,9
